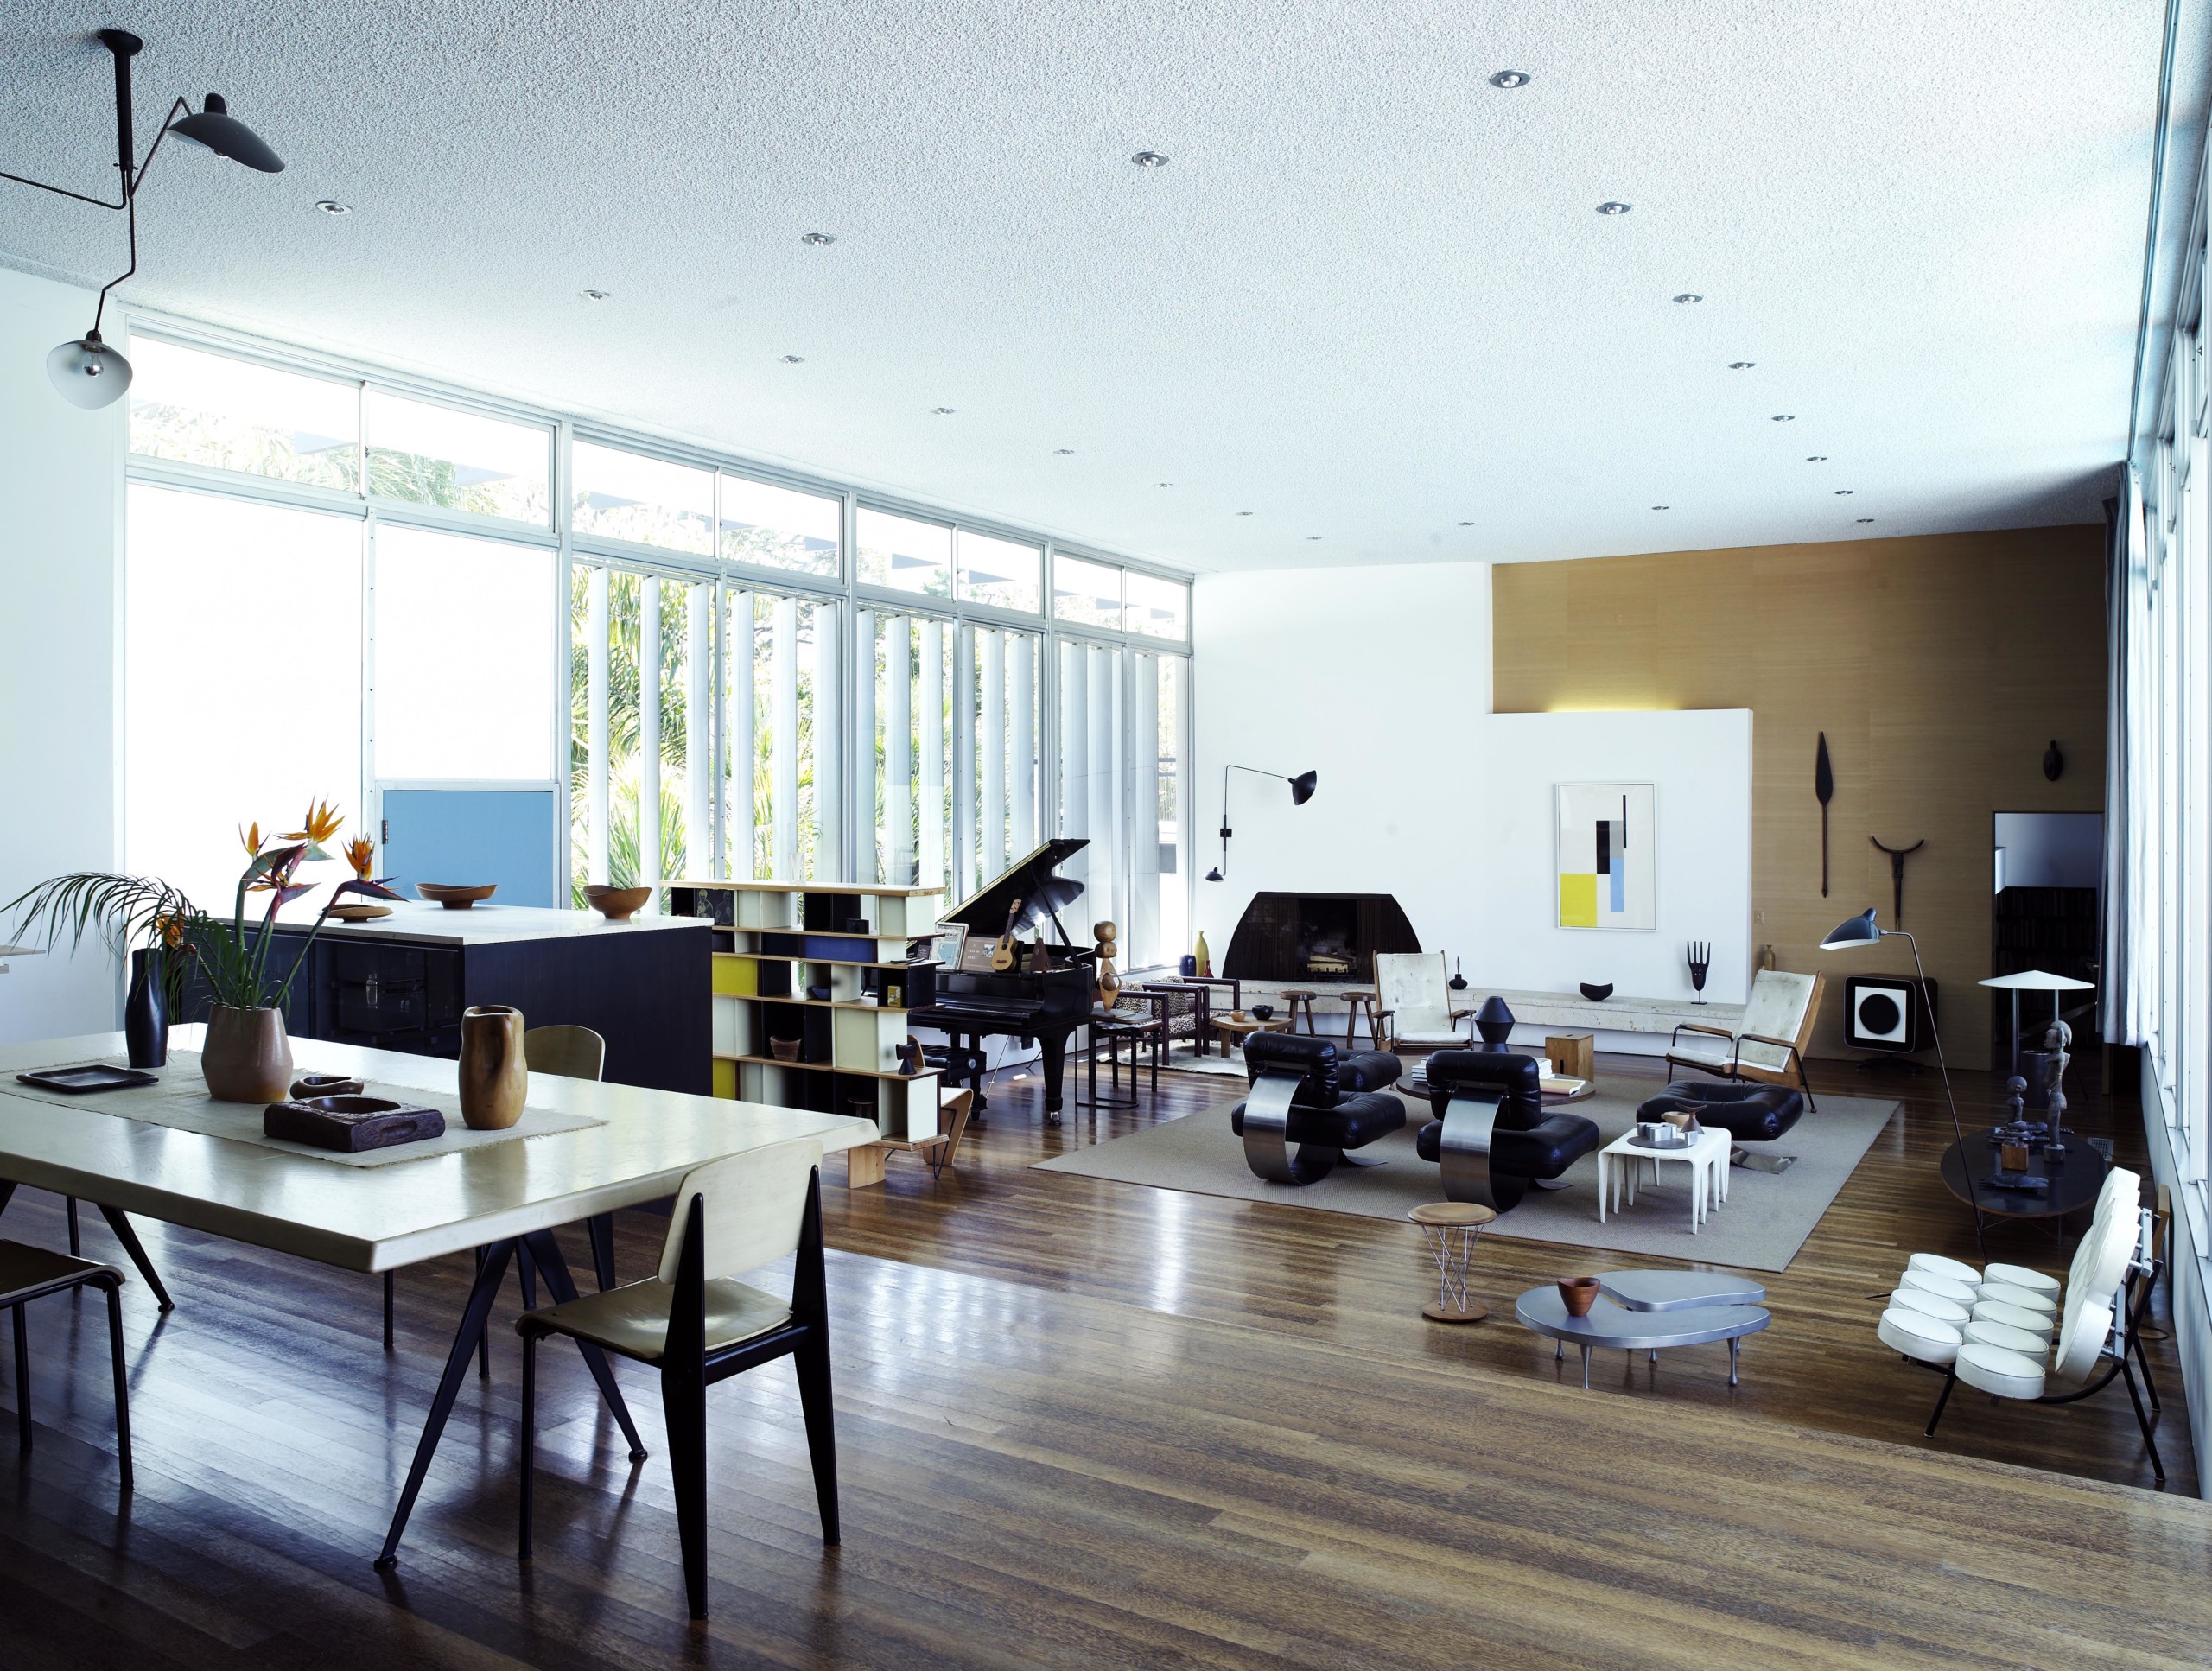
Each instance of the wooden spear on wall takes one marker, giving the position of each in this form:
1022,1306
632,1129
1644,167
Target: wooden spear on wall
1823,786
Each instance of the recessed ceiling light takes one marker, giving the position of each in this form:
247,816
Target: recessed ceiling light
817,238
1163,484
1741,364
1785,417
1149,159
940,411
1063,452
1243,513
794,359
1466,524
1615,208
1509,79
1865,519
1816,458
1663,507
596,295
1313,537
332,206
1689,296
1845,492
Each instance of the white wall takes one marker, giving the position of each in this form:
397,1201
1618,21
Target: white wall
60,483
1378,678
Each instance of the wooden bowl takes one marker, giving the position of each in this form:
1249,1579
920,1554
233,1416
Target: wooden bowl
1579,1295
617,905
453,898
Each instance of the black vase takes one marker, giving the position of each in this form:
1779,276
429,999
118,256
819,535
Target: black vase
146,1013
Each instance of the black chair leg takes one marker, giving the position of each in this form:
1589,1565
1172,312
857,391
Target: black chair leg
600,1229
22,1381
129,1237
387,1310
1950,1382
122,1383
545,1252
2142,1420
683,1407
2143,1361
813,1362
529,1442
76,1242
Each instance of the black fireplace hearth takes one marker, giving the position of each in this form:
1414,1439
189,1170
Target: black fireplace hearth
1316,936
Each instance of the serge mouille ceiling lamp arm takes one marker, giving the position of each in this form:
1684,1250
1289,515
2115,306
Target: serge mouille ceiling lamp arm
1864,930
88,372
1301,790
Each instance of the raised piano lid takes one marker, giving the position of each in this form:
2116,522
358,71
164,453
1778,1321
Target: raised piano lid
1034,880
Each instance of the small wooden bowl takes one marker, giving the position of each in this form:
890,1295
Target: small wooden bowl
1577,1294
617,905
453,898
324,1084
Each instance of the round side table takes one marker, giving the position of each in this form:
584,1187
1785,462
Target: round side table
1450,1228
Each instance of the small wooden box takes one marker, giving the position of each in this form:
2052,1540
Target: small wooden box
1573,1054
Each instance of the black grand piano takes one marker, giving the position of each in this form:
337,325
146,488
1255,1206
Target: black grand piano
1048,993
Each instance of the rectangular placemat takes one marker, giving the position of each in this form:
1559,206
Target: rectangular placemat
182,1101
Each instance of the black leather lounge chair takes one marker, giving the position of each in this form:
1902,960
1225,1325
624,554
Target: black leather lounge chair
1491,1135
1747,1112
1304,1093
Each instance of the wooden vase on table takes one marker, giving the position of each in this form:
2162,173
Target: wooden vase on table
494,1076
246,1057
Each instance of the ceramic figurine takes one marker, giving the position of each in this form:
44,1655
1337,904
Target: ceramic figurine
1205,957
1109,983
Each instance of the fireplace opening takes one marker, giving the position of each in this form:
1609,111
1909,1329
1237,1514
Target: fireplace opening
1321,938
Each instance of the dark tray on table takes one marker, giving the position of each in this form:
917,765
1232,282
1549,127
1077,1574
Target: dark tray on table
351,1124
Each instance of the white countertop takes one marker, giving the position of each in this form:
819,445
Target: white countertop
488,923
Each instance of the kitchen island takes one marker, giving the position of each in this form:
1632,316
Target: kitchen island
400,983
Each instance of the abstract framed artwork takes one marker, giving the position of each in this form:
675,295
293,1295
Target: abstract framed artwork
1606,843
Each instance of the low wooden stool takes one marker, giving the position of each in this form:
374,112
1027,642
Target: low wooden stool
1360,1003
1450,1228
1298,1001
1574,1053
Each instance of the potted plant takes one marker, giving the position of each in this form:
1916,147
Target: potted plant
246,1057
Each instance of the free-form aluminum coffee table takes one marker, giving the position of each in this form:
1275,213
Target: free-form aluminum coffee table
1682,1322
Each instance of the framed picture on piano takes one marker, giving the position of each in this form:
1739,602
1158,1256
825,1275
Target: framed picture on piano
976,954
949,942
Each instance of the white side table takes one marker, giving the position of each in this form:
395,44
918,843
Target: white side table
1708,1158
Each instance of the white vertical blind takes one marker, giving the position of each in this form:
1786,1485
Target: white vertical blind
1143,763
990,752
783,738
866,753
929,697
649,732
740,745
828,822
698,730
964,762
898,751
596,732
1022,740
1102,780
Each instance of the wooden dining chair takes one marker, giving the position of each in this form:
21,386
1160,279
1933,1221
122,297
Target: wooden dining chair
568,1052
28,1274
696,1323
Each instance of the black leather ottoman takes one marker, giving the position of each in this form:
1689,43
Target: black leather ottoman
1307,1095
1747,1112
1492,1135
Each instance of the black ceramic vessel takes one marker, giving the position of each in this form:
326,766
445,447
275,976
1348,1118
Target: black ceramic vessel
146,1013
1595,993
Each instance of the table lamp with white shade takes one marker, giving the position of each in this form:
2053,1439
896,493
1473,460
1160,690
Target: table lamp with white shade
2035,979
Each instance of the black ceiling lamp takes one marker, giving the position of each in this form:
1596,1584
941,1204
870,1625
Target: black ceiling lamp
87,372
1301,790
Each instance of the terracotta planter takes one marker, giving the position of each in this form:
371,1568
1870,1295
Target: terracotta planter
494,1076
246,1057
1579,1295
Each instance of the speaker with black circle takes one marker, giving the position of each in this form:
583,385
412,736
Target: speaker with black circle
1891,1012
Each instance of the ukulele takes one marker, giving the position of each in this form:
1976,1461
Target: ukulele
1003,954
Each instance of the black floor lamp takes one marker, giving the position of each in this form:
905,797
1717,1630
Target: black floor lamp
1301,790
1863,930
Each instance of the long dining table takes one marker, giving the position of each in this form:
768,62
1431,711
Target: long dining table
505,1198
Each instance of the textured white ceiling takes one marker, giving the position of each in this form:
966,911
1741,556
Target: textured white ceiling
1370,299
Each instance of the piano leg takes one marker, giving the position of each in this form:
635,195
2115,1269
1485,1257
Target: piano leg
1052,1051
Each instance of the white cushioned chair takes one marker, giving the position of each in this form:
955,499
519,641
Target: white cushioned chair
1778,1027
2005,1347
1413,993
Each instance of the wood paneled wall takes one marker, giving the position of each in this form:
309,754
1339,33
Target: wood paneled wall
1941,668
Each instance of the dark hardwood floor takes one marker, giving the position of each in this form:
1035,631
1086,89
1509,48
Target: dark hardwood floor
1087,1423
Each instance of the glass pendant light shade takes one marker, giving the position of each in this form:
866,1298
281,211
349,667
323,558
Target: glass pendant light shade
89,373
224,135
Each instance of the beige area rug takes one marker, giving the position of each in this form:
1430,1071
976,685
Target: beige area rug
1765,1220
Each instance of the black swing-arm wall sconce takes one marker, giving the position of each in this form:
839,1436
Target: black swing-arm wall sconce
1301,790
87,372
